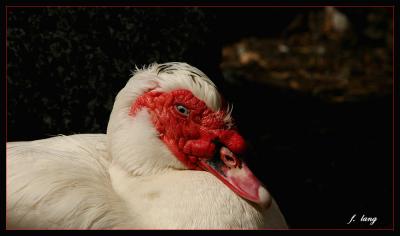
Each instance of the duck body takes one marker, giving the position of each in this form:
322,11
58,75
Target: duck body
61,182
73,184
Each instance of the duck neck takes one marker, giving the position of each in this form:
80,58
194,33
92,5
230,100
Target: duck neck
136,148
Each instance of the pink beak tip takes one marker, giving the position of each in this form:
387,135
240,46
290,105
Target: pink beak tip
264,197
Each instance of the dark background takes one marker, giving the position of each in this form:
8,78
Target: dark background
322,161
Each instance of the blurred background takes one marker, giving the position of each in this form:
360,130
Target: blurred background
311,88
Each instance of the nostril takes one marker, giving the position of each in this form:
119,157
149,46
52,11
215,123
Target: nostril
228,157
229,161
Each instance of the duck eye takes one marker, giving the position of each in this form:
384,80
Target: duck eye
183,110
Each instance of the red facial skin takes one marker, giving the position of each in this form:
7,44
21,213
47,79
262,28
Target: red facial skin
190,137
201,140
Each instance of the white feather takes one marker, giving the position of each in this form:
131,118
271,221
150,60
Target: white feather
61,182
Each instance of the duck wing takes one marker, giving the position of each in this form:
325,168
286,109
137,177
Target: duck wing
61,182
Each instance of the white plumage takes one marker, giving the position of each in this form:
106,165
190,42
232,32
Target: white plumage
126,178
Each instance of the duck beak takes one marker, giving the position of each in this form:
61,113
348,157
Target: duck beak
235,174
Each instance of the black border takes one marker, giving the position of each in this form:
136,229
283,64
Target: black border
211,3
